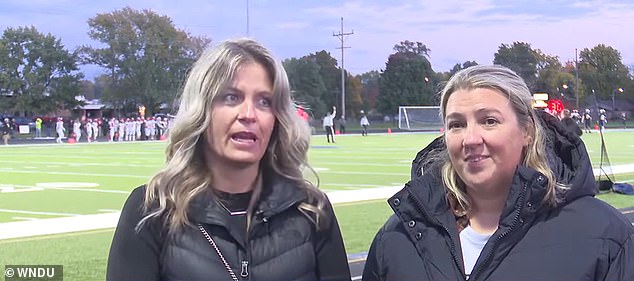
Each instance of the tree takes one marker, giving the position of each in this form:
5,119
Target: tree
330,75
307,85
416,48
602,70
369,89
87,89
457,67
146,55
408,78
37,75
354,101
521,58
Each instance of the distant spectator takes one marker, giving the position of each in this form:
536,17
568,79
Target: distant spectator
342,125
587,121
48,123
329,125
576,116
59,127
624,119
364,125
603,119
6,131
38,127
77,129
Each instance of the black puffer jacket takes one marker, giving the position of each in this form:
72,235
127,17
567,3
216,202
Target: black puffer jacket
582,238
282,243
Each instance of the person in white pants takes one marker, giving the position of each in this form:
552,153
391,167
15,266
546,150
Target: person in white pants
59,127
121,129
95,129
113,124
89,131
77,129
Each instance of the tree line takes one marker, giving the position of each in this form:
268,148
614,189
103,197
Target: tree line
146,58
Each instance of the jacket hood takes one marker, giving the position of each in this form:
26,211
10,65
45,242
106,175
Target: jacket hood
566,153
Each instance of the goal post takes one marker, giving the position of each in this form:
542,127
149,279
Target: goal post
419,118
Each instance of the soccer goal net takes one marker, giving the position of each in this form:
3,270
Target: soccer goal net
419,118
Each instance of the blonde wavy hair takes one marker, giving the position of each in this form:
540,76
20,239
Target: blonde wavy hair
507,82
186,175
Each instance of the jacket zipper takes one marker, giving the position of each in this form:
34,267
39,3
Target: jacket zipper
259,218
452,245
244,272
244,264
502,235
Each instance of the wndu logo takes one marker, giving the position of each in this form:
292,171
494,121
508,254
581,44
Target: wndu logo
34,272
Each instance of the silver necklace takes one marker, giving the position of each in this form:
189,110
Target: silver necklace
231,213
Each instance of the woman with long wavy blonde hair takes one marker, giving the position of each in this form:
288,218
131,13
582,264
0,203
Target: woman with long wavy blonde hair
231,200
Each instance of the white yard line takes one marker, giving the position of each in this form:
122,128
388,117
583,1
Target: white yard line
72,174
76,223
25,218
38,213
57,225
616,169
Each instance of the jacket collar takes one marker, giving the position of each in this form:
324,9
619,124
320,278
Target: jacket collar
278,194
426,194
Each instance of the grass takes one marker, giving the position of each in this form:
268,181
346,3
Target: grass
101,176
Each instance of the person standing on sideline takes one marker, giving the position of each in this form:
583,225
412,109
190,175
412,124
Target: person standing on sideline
587,121
6,131
38,127
77,129
113,125
364,124
342,125
59,128
329,120
576,117
624,119
231,202
603,119
89,130
481,205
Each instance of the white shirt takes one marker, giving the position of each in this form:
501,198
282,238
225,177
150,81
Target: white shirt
364,121
472,244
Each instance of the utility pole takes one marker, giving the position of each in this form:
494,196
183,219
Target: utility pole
341,37
577,79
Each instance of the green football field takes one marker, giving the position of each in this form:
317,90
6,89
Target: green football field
56,181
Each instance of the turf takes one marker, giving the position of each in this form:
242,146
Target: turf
96,178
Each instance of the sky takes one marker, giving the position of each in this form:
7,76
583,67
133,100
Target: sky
455,31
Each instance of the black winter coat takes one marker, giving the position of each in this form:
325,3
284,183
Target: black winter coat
582,238
282,243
